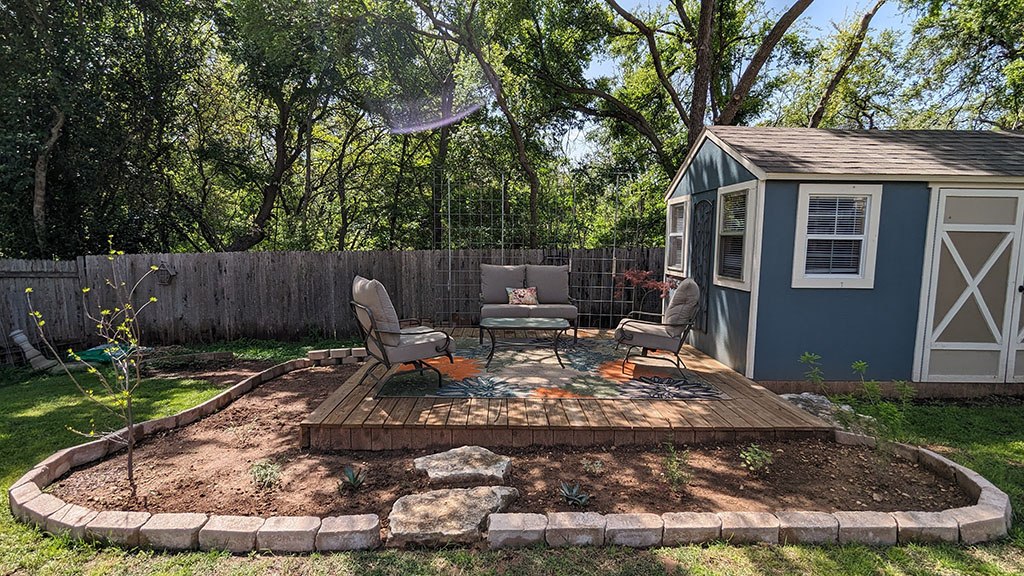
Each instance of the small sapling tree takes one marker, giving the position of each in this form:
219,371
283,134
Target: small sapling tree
118,328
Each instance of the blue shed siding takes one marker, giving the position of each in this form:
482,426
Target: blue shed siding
878,326
710,169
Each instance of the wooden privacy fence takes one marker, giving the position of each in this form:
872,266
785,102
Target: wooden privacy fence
203,297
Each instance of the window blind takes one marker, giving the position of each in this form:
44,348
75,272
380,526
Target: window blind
835,234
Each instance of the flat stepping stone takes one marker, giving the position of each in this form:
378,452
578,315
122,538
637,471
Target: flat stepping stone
439,517
465,464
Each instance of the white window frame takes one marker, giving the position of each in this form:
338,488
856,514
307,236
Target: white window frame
749,232
685,202
866,279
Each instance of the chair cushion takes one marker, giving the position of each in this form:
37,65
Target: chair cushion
567,311
522,295
646,335
682,308
505,311
495,279
552,283
419,346
371,293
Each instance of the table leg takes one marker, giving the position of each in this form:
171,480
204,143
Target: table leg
490,333
558,336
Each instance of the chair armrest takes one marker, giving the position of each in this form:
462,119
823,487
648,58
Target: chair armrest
414,321
641,313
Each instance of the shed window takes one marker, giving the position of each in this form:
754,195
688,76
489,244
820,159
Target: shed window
678,217
732,230
735,230
836,236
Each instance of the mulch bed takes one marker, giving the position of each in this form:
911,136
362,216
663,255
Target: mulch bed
205,467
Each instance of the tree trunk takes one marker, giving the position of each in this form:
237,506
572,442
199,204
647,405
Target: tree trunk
283,160
131,445
517,135
39,192
701,73
851,57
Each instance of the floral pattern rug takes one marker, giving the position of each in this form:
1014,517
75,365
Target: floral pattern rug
593,369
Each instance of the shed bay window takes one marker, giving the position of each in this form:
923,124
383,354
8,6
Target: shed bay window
836,236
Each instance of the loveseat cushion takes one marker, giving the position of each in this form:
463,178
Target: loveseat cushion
371,293
505,311
567,311
552,283
495,279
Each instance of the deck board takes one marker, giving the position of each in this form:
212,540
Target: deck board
750,411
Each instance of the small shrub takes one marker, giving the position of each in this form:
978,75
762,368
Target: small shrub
756,460
352,479
814,372
573,496
593,467
265,474
677,466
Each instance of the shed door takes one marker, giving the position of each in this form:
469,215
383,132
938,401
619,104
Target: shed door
974,328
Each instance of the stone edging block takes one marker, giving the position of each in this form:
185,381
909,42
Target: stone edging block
116,527
575,529
172,531
71,520
690,528
359,532
515,530
799,527
871,528
633,530
288,534
926,527
236,534
750,527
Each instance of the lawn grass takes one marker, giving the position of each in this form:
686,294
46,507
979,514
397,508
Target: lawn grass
35,410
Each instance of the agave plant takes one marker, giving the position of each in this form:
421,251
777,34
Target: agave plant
573,496
352,479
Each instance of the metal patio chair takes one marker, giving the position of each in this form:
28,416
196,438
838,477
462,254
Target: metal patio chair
669,333
386,341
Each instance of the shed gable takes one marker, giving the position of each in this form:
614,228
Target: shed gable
710,168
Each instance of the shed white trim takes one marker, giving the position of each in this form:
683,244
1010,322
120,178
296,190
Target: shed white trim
755,281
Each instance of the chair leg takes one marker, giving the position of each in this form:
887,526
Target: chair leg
626,359
369,371
481,335
575,332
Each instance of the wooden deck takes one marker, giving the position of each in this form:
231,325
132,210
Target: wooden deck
353,419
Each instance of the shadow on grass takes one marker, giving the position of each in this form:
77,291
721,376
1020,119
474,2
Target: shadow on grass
36,411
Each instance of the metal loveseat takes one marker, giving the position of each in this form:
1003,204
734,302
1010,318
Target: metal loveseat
552,283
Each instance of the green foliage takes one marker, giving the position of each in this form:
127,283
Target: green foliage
265,474
756,460
814,372
889,417
352,479
573,495
594,467
677,466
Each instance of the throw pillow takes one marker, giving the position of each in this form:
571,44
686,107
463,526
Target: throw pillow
522,295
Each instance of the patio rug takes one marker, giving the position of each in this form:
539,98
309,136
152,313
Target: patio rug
592,370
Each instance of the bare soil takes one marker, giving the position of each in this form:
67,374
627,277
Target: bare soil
206,467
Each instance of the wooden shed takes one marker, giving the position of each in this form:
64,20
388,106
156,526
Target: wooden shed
900,248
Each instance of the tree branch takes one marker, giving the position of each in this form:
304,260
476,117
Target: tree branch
851,56
764,51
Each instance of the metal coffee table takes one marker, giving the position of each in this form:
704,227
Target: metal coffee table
557,326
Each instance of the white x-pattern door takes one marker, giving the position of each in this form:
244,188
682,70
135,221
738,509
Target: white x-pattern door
974,330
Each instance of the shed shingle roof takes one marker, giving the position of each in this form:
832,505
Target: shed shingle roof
956,153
